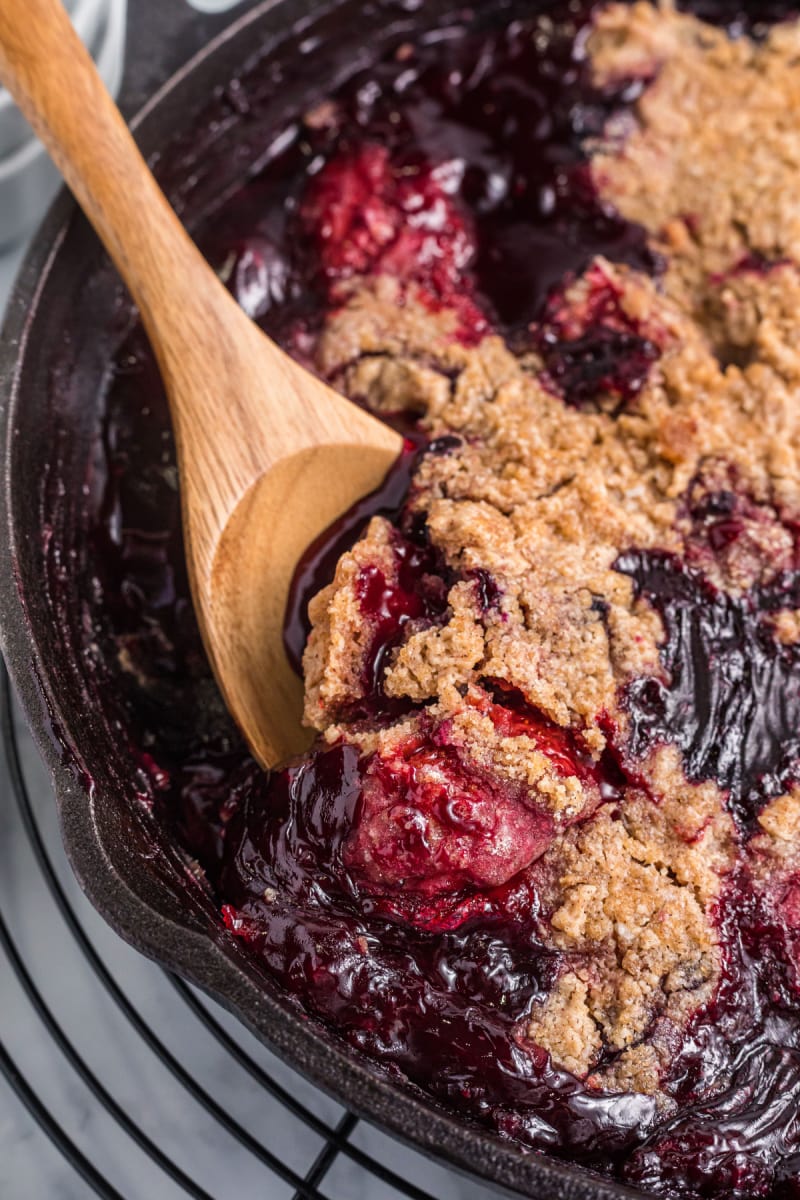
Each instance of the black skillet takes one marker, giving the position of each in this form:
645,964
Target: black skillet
61,329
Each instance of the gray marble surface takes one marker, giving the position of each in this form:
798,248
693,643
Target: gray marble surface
130,1074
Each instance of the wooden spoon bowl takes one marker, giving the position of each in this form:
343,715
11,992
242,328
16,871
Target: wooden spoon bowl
268,455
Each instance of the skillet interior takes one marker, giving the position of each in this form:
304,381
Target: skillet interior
67,317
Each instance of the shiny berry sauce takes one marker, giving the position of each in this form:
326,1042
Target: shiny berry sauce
318,564
730,696
456,162
417,594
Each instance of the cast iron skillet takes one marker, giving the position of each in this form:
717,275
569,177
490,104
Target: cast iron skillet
65,318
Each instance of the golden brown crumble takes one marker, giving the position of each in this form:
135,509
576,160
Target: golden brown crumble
786,625
335,675
781,818
627,899
710,168
543,497
564,1026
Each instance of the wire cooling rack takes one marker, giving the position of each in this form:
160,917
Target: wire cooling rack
143,1086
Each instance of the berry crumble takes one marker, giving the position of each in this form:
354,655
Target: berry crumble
543,858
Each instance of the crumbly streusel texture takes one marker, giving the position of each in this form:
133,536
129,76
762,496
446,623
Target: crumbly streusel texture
542,496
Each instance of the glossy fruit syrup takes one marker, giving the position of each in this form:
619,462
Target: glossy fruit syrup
457,163
732,703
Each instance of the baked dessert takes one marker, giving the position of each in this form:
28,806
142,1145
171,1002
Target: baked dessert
543,859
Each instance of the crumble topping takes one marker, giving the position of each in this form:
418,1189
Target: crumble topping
628,902
564,1025
684,442
708,167
335,677
780,819
544,497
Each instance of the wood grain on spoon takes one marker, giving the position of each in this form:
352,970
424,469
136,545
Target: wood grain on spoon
268,455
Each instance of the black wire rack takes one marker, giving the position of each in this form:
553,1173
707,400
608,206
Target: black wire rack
144,1086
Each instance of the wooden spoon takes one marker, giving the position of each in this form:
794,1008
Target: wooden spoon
268,455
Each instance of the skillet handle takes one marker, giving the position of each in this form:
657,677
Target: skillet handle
162,35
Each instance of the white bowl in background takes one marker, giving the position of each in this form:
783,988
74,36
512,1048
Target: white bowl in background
28,179
88,17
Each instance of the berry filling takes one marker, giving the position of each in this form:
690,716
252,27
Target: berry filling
593,349
318,564
415,594
460,170
730,698
429,824
431,821
408,995
368,215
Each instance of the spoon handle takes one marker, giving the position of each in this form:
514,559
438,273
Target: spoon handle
54,81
